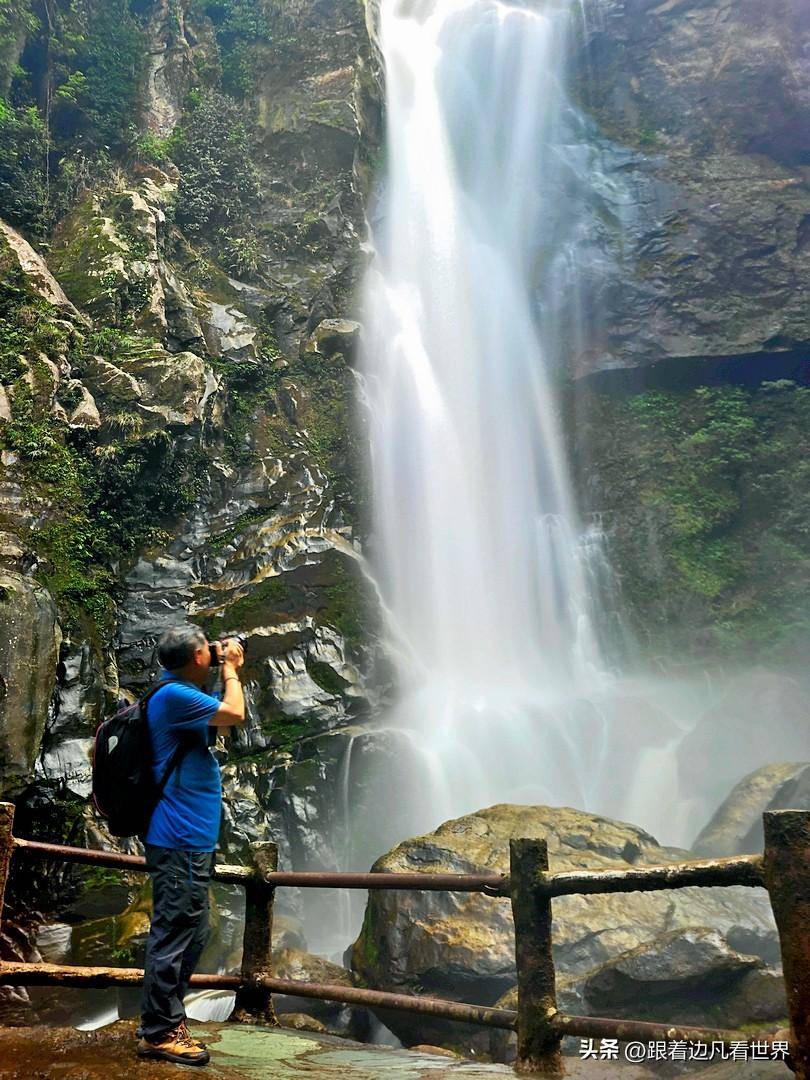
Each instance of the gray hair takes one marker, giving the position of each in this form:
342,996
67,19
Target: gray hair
178,645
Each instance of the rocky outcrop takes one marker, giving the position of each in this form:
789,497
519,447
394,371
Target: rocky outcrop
29,640
700,206
736,827
105,255
461,946
170,350
176,41
23,267
690,977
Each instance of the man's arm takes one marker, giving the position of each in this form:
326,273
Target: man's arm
232,706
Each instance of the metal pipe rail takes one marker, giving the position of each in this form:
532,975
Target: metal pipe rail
704,873
99,977
490,884
481,1015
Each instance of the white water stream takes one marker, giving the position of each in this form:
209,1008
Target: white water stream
478,551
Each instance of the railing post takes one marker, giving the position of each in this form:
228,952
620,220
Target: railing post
6,847
538,1043
787,879
254,1005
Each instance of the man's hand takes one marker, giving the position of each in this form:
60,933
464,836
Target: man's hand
232,709
232,653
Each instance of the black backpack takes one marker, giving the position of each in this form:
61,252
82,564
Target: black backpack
124,789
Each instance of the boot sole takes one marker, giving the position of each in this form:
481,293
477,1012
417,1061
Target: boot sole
177,1059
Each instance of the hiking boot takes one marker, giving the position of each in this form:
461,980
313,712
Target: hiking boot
176,1045
182,1027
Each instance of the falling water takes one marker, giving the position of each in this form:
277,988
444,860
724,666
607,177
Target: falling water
479,553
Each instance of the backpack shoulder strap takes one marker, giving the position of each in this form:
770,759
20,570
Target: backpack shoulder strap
179,751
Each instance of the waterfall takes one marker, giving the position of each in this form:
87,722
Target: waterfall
477,548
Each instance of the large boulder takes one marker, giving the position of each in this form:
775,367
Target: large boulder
461,945
690,977
29,640
736,827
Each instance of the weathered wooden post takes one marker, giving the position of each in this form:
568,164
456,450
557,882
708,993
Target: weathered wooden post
538,1049
254,1005
6,847
787,879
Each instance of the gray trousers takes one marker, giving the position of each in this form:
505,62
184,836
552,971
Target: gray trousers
177,935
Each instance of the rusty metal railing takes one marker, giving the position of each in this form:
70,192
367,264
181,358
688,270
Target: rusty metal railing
784,870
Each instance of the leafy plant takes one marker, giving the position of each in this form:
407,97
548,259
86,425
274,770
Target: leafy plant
219,182
239,25
23,185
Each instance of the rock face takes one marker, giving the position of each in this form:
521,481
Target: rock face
21,264
736,827
29,640
175,431
461,946
710,193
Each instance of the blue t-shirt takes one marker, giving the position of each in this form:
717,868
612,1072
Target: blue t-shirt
188,814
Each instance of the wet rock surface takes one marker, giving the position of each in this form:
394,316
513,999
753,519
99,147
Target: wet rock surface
235,1052
29,641
240,1052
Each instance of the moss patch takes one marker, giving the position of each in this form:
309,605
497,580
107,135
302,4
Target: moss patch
706,496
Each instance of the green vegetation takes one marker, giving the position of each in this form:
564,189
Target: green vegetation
96,61
273,593
99,877
347,606
706,495
110,489
69,103
239,25
219,182
23,186
326,677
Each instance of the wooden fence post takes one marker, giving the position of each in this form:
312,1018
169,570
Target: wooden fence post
538,1049
6,847
787,879
254,1005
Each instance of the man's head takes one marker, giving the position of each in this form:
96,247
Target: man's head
184,651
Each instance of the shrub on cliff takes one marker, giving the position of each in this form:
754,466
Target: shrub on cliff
239,25
97,56
23,192
218,180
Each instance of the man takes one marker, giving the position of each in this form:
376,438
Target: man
183,831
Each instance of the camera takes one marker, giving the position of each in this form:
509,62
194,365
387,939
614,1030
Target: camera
215,651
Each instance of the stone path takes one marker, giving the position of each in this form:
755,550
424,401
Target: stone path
247,1053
